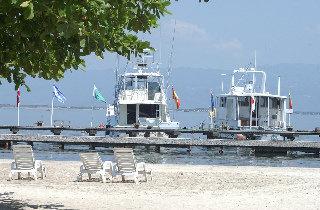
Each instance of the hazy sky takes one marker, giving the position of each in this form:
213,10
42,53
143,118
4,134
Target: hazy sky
225,33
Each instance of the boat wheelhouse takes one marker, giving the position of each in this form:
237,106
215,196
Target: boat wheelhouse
141,98
247,105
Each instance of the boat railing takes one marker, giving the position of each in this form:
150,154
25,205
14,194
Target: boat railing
134,95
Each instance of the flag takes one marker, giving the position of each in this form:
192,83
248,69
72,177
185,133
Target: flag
212,113
212,100
253,103
97,95
58,94
290,102
18,97
176,98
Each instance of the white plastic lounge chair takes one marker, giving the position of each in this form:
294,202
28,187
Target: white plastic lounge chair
24,162
127,166
92,164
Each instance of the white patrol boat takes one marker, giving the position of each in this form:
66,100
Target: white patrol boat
248,106
140,96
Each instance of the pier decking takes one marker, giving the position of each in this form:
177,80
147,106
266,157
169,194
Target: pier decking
212,138
105,141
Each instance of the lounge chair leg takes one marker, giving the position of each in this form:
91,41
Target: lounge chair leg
42,174
10,176
28,175
89,175
135,179
35,175
79,177
19,175
103,177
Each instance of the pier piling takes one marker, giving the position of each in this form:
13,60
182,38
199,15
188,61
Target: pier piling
189,149
157,149
92,147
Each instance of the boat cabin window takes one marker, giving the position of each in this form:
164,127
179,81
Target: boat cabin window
263,101
153,87
141,82
275,103
149,110
129,81
223,101
243,101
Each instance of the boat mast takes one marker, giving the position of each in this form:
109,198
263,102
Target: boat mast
255,68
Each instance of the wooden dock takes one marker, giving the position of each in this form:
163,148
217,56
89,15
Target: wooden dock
106,141
172,133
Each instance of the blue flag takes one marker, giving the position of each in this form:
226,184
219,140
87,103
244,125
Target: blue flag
212,100
58,94
97,95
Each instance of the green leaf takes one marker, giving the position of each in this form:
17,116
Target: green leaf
25,4
28,12
82,43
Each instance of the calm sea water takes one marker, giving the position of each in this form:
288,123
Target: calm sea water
232,156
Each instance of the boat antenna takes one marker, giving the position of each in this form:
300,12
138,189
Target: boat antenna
171,54
254,69
255,60
160,53
116,75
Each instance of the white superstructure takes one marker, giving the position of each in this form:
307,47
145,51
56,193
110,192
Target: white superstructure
247,104
141,98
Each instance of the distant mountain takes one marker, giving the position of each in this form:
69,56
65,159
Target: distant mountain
192,85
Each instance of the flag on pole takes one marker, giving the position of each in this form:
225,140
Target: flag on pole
176,98
290,102
253,104
58,94
212,100
212,113
18,97
97,95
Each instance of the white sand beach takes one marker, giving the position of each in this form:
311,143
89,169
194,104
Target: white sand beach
171,187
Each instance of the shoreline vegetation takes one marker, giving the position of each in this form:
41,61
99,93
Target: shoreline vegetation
169,187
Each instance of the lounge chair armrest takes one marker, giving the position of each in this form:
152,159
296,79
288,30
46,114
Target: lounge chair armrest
141,167
13,165
107,166
38,164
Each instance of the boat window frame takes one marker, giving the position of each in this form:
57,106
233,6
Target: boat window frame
244,102
223,101
263,101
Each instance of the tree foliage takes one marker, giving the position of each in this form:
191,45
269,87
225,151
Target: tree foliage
45,38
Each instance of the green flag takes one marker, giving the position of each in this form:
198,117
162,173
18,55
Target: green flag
97,95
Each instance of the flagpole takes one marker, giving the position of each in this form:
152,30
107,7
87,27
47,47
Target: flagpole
91,116
51,117
19,114
211,113
250,112
289,120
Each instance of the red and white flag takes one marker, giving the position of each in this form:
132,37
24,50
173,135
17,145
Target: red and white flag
290,102
18,97
252,103
175,98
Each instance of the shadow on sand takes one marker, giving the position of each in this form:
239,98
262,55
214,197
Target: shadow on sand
8,203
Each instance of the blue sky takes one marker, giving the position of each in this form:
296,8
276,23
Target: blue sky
225,33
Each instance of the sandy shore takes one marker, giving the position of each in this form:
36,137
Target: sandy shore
171,187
